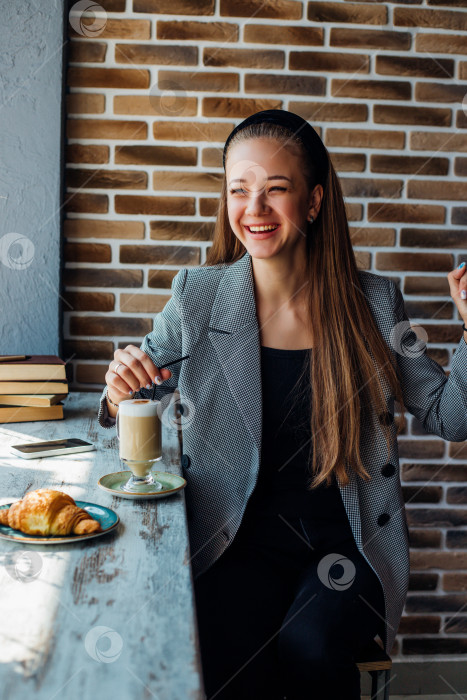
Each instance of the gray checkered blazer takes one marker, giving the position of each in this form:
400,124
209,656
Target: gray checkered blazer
211,317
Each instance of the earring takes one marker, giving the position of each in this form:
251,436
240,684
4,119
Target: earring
311,218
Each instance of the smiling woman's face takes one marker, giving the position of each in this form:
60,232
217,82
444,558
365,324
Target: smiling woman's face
266,187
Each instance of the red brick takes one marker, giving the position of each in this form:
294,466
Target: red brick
160,254
460,167
279,9
415,66
85,103
421,238
283,34
438,141
346,12
440,92
198,31
192,181
86,51
406,213
156,155
113,179
285,84
355,162
106,129
364,138
444,19
159,102
123,29
197,80
434,189
372,89
434,262
371,187
372,236
243,58
134,204
82,277
161,54
329,61
197,131
110,325
108,77
87,203
370,39
236,107
174,7
181,230
89,349
441,43
380,163
208,206
330,111
160,279
83,153
87,252
397,114
143,303
103,228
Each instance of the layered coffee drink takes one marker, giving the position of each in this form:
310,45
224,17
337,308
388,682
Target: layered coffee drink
139,431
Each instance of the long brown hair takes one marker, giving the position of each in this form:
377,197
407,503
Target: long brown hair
350,363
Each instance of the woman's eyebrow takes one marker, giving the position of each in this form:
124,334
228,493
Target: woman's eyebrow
272,177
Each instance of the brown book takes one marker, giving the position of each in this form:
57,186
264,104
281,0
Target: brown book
31,399
23,414
33,387
34,367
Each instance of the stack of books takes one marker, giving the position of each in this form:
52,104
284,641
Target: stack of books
31,388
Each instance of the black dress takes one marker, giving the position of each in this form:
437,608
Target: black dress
283,517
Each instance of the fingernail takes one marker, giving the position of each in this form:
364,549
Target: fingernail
463,294
158,380
461,265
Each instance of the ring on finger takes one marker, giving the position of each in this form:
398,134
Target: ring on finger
117,366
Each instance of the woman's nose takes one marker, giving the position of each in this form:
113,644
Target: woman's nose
256,202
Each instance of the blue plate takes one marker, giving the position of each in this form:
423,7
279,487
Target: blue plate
107,518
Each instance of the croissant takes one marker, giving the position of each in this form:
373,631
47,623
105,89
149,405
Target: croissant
49,512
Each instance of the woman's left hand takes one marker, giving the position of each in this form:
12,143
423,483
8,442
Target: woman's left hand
458,283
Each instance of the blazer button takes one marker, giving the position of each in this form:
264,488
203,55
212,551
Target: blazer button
185,461
388,469
386,418
383,518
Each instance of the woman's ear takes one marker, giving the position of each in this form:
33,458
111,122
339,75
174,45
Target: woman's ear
316,197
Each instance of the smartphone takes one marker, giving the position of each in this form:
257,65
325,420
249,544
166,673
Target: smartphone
65,446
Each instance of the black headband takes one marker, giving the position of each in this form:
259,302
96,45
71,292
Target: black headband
313,144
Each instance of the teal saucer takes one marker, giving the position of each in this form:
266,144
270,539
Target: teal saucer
113,483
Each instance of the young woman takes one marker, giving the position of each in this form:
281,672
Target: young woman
298,531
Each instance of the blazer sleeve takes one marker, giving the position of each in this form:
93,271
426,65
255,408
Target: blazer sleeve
162,345
437,401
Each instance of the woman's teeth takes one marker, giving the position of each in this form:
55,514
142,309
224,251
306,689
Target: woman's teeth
257,229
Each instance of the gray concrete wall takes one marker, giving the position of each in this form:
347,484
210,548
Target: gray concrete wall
31,66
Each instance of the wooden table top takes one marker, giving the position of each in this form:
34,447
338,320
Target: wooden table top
109,618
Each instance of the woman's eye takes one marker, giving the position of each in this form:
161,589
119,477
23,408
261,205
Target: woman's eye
276,187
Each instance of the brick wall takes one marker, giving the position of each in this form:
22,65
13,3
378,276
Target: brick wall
153,94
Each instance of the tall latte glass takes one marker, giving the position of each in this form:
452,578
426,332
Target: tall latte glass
139,432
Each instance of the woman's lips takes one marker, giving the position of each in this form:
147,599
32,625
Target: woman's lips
262,234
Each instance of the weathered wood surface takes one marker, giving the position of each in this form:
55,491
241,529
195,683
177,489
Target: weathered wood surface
134,583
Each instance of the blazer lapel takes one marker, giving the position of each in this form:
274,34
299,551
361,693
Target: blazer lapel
234,334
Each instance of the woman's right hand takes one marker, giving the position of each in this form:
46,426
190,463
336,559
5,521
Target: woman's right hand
131,370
